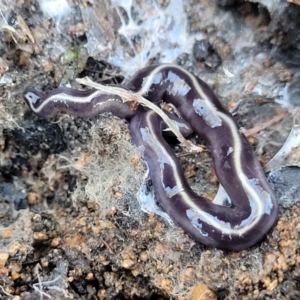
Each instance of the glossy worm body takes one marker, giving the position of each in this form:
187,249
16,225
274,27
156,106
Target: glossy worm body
247,211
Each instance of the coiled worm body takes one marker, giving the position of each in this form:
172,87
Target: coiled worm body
249,209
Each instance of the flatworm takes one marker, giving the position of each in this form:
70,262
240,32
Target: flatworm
249,209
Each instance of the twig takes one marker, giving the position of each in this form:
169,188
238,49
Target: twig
264,125
129,96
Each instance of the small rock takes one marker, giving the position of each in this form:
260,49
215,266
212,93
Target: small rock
204,52
40,236
33,198
165,284
89,276
55,242
144,256
17,246
15,275
7,232
128,264
187,275
3,259
202,292
202,49
135,272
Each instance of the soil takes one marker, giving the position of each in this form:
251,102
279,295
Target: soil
71,225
